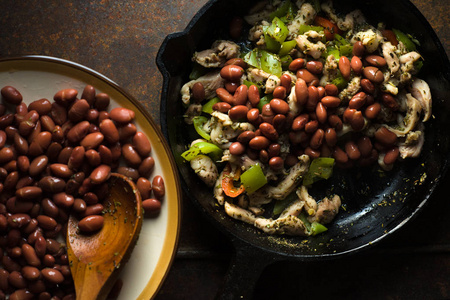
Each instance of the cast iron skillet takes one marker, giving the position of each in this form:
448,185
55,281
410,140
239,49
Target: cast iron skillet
376,203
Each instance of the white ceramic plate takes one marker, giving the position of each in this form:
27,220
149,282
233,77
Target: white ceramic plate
39,77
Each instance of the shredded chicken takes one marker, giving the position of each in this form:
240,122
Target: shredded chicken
220,52
211,82
421,91
305,15
411,119
413,143
311,43
284,188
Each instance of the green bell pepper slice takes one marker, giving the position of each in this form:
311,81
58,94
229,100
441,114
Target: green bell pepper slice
277,30
264,100
199,121
320,168
205,148
317,228
253,179
207,107
272,44
286,61
271,63
197,71
340,81
286,47
402,37
252,58
305,28
282,10
281,205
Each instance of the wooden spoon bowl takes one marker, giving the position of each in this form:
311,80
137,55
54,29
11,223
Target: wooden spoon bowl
97,259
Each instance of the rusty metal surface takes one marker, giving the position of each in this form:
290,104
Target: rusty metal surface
120,39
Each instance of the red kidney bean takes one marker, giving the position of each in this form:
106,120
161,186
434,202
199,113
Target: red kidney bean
373,74
29,253
245,137
232,72
65,96
313,98
330,137
390,102
31,273
311,126
92,210
146,167
357,122
79,205
356,64
280,92
144,187
344,67
11,95
236,61
315,67
46,222
367,86
285,81
63,200
241,95
126,132
331,101
236,148
92,140
352,150
391,156
301,91
53,275
296,64
131,155
279,106
253,115
142,144
225,96
101,101
317,139
222,107
253,95
299,122
358,48
340,155
385,136
78,132
358,100
365,146
308,77
312,153
198,92
331,89
100,174
159,189
376,61
238,113
321,113
78,110
372,111
259,143
152,207
268,131
29,193
276,163
274,150
122,115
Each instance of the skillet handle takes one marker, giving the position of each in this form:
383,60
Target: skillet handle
247,264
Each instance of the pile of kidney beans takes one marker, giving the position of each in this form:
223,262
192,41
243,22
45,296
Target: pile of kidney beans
55,159
322,114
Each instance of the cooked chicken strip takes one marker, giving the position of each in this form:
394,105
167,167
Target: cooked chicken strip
421,91
211,82
205,168
285,187
411,119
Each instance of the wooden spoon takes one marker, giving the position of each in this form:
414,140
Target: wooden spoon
97,259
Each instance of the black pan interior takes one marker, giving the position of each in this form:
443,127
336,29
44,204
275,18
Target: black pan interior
376,203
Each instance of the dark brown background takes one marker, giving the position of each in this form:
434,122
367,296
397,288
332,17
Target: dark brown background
120,39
